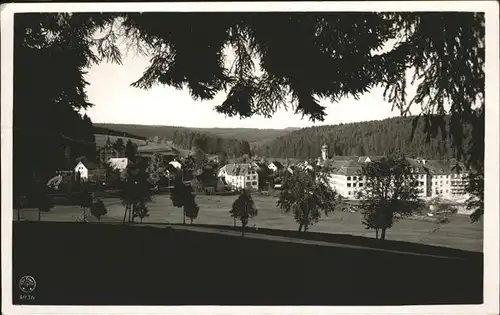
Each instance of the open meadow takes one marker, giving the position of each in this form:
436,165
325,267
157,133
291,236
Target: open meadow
459,233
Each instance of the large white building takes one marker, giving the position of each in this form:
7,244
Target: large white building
240,176
435,178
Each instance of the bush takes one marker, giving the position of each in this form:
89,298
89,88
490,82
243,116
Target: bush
443,220
98,209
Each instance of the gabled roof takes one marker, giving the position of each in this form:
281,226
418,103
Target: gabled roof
175,164
342,158
261,165
437,167
349,168
277,164
372,158
88,164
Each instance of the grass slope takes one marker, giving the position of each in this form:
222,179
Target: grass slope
105,264
214,210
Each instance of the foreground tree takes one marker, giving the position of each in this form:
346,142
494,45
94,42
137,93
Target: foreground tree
119,146
243,209
18,202
390,189
475,189
136,192
85,200
307,194
46,112
181,195
42,199
222,159
130,151
141,210
191,209
98,209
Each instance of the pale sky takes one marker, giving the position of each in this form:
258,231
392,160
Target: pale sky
118,102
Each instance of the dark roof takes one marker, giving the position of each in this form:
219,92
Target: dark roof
347,168
437,167
278,164
343,158
261,165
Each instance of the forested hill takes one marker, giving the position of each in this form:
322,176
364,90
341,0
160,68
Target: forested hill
389,136
185,138
112,132
253,136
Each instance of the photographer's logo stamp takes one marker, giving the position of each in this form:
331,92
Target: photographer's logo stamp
27,284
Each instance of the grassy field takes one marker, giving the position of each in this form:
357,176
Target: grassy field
106,264
214,210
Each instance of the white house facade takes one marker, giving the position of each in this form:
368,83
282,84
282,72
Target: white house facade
240,176
82,170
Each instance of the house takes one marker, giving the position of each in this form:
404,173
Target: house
86,169
276,166
176,164
239,176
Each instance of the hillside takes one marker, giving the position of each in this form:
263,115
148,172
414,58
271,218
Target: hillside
115,132
253,136
388,136
100,140
185,138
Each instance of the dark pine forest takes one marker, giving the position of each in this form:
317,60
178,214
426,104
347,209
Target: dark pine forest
391,136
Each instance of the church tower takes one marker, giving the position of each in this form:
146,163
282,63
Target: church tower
324,152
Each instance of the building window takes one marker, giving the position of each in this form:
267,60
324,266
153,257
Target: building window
353,184
254,177
348,177
349,193
354,178
360,184
348,184
254,183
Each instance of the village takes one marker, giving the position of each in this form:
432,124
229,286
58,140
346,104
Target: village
436,178
439,183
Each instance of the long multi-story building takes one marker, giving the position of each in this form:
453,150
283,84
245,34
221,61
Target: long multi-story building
436,178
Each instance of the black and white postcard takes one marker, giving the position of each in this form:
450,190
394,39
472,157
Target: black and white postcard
250,157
